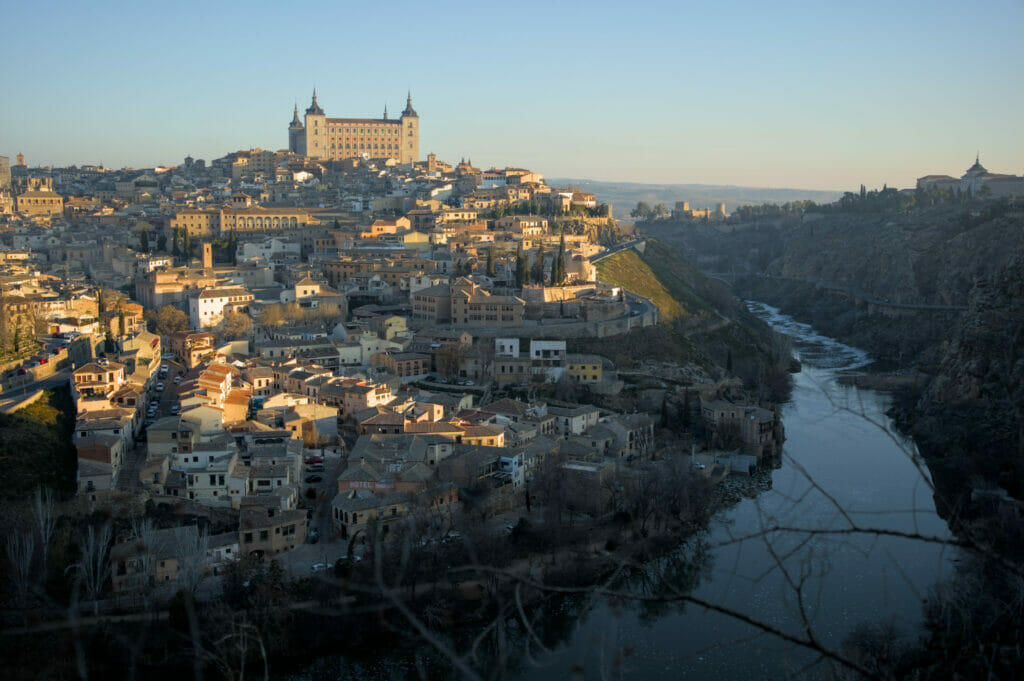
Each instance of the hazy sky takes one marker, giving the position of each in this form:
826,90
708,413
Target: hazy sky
815,95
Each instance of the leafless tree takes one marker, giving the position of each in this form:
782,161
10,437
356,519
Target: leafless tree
151,545
190,550
233,644
20,548
93,567
45,519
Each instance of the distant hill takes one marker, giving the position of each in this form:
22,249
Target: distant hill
625,195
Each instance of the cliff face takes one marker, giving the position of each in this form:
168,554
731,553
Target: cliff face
826,268
971,415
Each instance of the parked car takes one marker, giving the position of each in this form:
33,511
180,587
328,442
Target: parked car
314,478
315,468
159,387
313,536
175,409
177,379
314,459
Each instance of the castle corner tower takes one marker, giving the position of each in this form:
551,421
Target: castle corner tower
316,131
296,134
410,145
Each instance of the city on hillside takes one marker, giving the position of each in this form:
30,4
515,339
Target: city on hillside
310,348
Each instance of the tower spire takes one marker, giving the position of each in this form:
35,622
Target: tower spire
385,110
314,108
409,111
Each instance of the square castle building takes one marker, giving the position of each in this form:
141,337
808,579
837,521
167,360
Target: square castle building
334,139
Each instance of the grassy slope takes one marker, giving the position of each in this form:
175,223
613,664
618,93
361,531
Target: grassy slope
36,447
702,322
661,275
628,270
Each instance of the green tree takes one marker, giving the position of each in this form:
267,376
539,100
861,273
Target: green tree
642,211
558,264
521,269
144,241
537,270
161,243
490,261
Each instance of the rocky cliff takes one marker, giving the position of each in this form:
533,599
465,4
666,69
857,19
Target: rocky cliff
970,418
875,280
939,291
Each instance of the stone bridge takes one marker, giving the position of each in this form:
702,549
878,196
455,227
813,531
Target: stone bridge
850,291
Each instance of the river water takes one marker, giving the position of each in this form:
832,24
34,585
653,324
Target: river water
841,467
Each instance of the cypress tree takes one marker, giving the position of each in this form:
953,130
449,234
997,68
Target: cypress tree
537,273
490,261
520,267
558,266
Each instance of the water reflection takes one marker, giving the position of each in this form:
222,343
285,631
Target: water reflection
776,556
785,552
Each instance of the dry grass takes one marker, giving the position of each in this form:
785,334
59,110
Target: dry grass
628,270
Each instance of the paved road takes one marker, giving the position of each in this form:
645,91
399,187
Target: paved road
128,477
21,392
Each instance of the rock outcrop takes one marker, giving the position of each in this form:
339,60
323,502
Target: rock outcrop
825,269
971,415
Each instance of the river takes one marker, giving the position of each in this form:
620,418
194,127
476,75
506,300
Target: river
841,465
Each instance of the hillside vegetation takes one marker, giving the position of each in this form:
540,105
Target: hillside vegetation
628,270
702,322
673,284
36,447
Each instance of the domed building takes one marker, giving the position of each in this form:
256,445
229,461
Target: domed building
976,181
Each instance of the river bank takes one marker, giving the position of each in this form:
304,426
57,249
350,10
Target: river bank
791,525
